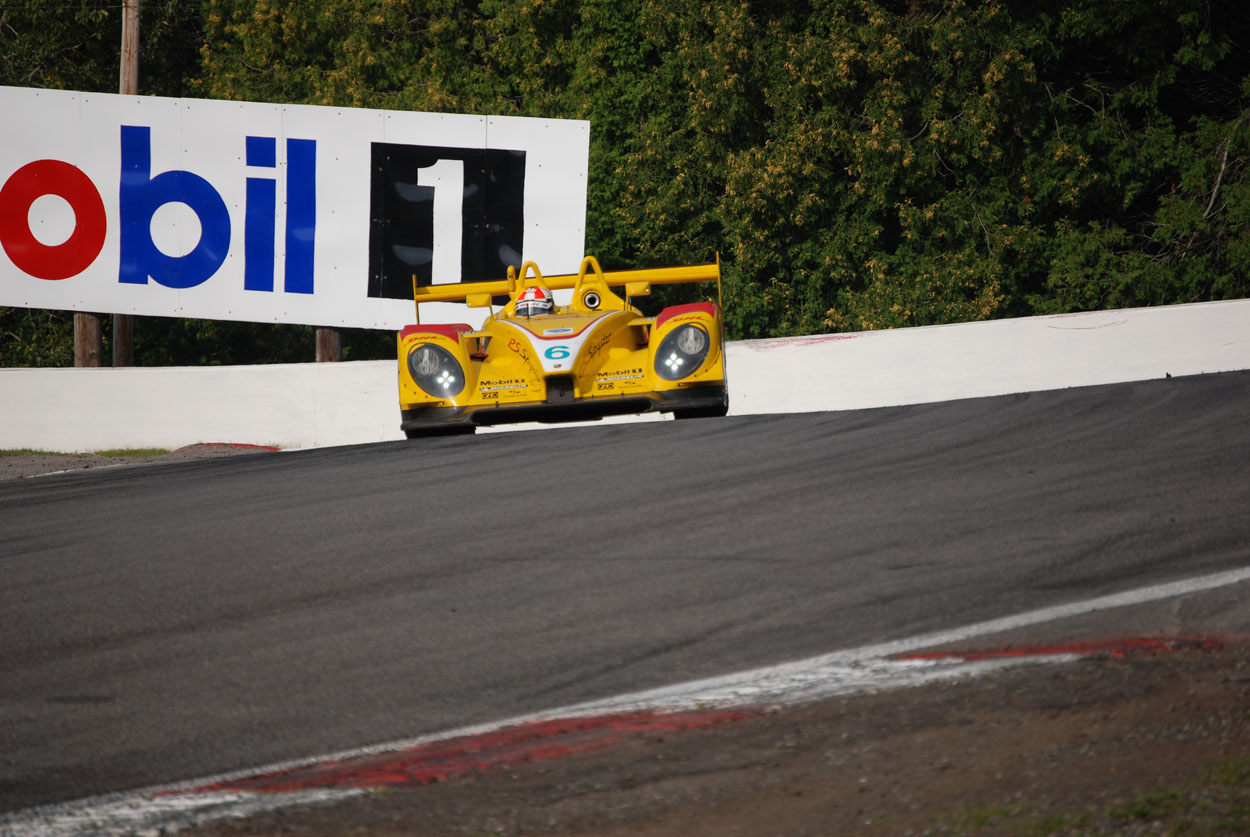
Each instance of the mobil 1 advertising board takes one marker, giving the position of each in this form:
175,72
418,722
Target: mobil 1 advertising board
275,213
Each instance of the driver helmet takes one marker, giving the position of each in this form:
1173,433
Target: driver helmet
533,301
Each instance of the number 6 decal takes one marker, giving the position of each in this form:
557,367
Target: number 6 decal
557,353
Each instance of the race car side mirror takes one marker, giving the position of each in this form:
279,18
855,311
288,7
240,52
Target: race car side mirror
637,288
477,300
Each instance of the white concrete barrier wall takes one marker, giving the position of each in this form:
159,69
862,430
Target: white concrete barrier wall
310,404
287,405
972,360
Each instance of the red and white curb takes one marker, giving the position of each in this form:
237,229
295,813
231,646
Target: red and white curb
593,725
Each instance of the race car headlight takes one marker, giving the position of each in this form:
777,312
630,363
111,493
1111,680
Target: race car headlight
435,370
681,352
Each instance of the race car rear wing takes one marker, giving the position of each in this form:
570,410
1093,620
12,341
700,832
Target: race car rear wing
636,282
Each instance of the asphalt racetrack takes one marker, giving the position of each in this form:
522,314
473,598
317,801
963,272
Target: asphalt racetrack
172,621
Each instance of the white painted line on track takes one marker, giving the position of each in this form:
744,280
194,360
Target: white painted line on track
831,674
167,808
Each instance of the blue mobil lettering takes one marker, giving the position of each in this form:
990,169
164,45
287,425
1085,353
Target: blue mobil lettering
141,193
301,216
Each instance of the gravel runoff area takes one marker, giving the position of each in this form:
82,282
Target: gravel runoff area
1144,743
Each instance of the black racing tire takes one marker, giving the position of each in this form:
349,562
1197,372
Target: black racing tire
702,412
452,430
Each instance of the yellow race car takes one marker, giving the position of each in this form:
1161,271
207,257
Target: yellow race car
534,360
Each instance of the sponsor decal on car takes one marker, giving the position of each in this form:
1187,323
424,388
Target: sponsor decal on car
491,386
690,318
592,352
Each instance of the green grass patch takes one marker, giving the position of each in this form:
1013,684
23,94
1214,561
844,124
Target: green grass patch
1234,773
29,452
1017,820
117,453
1155,806
975,820
1216,802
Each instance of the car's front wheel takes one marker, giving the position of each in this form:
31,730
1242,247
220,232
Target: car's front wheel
450,430
714,411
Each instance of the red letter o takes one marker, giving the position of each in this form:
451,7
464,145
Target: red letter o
71,257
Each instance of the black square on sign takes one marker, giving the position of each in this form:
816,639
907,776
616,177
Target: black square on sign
402,223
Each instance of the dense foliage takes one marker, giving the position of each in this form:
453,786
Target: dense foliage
859,164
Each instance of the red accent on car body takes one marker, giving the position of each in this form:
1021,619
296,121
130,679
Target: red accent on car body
452,330
709,308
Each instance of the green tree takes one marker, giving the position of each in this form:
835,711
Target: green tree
858,163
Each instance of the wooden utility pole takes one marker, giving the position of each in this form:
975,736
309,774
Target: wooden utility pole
123,324
88,339
89,328
329,345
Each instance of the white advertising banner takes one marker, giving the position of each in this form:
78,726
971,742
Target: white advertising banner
275,213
